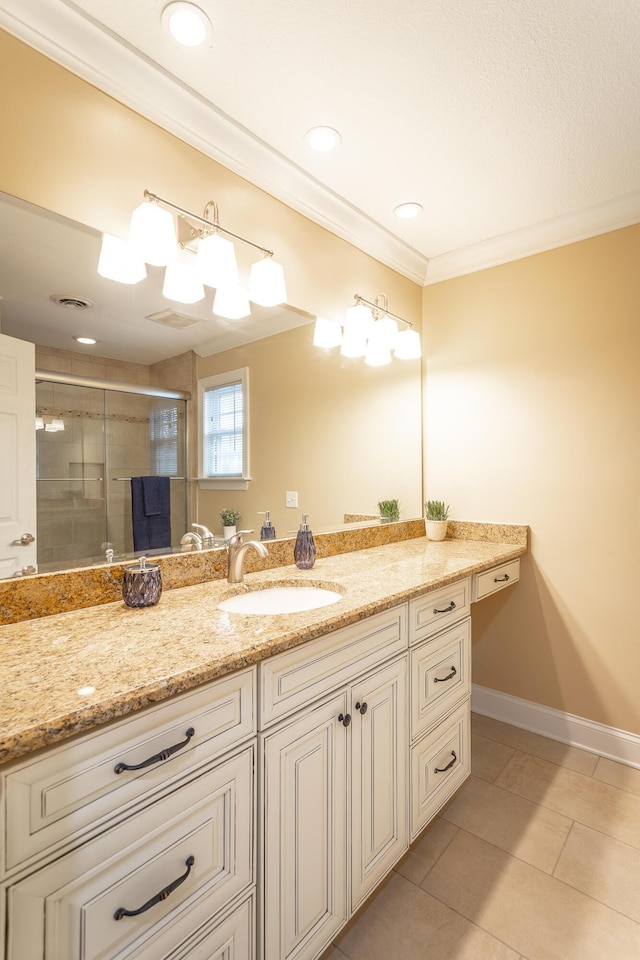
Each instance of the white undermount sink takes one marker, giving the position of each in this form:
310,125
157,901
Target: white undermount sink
280,600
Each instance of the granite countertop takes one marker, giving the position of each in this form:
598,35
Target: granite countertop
68,673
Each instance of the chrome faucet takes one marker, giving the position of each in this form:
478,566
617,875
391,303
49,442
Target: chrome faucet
237,551
204,533
191,541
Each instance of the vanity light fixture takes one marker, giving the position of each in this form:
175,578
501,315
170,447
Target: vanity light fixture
322,139
407,211
187,23
370,331
119,262
153,236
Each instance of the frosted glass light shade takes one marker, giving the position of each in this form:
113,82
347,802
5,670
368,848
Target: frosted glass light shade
358,322
383,334
152,235
266,283
408,345
57,423
231,302
39,423
216,261
353,345
327,333
118,261
182,283
377,356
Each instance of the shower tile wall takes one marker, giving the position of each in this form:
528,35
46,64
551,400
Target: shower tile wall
106,436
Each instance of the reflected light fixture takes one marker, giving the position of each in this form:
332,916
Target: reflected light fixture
231,302
152,233
182,282
322,139
370,331
86,341
119,262
187,23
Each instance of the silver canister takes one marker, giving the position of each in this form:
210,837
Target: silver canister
142,584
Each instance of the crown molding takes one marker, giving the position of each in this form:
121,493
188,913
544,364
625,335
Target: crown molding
570,228
75,42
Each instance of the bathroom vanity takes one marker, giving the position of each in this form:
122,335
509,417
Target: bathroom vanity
235,785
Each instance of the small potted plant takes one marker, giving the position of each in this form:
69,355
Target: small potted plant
229,520
436,514
389,510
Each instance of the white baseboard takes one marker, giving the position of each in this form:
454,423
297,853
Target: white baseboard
594,737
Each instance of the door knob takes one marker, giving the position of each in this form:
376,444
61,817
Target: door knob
25,540
27,571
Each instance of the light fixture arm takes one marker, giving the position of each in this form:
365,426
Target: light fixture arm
212,225
378,308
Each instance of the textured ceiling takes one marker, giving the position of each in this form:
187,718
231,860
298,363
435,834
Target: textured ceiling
496,116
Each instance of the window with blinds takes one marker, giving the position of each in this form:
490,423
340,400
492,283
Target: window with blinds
163,436
224,425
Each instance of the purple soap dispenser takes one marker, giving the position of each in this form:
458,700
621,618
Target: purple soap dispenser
304,551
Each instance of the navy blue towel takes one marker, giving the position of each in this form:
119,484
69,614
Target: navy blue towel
151,512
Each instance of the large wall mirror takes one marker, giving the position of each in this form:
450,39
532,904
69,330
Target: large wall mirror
339,434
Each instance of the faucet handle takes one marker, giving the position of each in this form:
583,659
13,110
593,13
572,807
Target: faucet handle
236,539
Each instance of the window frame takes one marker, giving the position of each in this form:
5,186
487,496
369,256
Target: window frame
217,380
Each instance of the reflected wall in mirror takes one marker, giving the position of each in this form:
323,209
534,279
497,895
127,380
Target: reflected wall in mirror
338,433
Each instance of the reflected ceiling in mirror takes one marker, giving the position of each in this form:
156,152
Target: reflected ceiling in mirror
43,255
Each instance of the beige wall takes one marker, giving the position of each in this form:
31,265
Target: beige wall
340,433
533,416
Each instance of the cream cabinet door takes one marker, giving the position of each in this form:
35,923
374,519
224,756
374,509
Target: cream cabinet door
379,829
304,831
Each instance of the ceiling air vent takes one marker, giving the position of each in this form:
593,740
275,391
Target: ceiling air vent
72,303
179,321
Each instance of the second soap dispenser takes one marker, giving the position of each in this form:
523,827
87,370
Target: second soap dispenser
304,551
267,531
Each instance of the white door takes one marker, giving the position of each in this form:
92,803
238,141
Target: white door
304,832
379,828
18,551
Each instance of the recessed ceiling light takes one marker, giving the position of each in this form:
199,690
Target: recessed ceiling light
323,139
187,23
88,341
406,211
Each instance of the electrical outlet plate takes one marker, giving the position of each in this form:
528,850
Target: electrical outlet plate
291,498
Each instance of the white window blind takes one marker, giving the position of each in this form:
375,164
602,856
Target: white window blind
163,434
223,428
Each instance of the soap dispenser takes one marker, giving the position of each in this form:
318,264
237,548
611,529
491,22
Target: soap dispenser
267,531
304,551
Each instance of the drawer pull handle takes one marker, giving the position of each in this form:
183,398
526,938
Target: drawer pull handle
162,895
502,579
345,719
362,707
157,757
448,609
448,766
449,676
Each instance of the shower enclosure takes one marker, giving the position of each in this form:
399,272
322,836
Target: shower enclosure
91,438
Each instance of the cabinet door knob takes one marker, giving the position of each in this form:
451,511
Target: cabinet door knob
362,707
345,719
448,766
448,609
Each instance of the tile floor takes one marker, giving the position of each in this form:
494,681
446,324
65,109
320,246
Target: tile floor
537,857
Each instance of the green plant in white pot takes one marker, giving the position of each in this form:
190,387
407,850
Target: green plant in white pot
229,520
436,519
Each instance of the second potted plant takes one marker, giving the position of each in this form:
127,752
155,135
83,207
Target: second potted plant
229,520
389,511
436,518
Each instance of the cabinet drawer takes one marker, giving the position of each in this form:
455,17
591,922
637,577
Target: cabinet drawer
440,675
53,799
495,579
68,910
296,677
230,937
440,762
435,611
